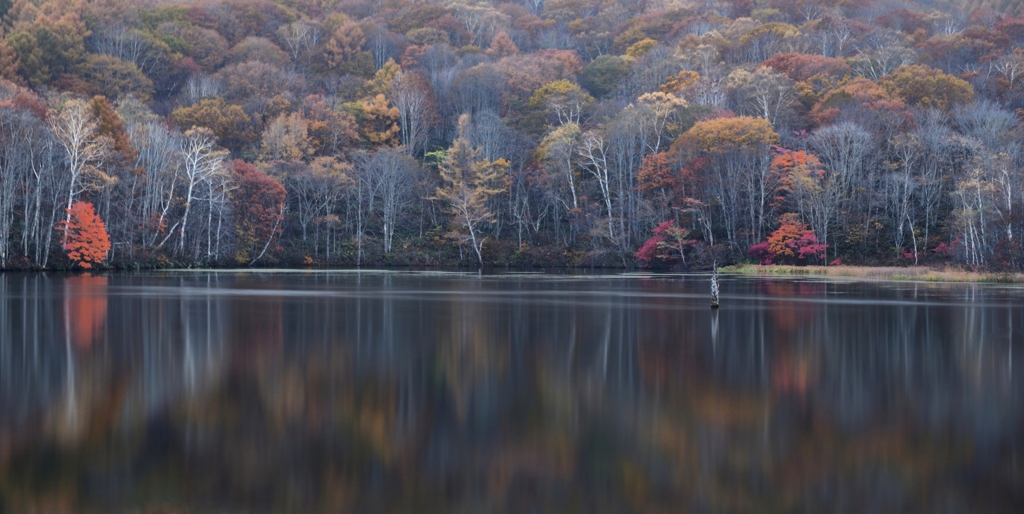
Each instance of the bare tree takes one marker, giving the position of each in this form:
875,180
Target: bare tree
656,113
937,148
1011,67
628,139
882,52
394,175
202,160
843,149
709,91
900,184
158,153
490,134
593,159
409,97
201,86
481,20
949,23
29,179
558,150
969,216
300,37
534,6
833,35
764,93
129,45
317,188
218,187
381,45
77,132
990,124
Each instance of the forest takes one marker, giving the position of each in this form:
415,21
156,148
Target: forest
610,133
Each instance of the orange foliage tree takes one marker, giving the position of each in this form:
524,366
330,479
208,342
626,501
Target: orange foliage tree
85,235
793,241
87,308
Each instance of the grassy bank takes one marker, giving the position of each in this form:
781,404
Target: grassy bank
918,273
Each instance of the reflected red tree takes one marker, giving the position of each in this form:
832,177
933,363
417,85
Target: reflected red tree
86,305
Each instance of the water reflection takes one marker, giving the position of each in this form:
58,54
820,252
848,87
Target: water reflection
398,392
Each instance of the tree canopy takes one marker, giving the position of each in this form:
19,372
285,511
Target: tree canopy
595,123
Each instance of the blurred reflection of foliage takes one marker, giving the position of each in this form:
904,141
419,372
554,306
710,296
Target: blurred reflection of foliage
469,399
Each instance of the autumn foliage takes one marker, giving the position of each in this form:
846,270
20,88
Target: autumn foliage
87,308
801,67
668,244
793,242
904,122
259,205
85,235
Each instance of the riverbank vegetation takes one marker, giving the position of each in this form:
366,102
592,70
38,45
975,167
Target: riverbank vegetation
539,132
908,273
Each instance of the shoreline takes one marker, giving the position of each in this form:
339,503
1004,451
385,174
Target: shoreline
886,273
870,273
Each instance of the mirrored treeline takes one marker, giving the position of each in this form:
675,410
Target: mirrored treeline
285,392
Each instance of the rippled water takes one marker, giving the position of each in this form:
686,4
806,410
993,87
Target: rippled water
446,392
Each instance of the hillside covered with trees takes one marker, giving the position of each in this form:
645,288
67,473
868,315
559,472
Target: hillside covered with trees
531,132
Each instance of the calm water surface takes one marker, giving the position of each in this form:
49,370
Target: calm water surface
429,392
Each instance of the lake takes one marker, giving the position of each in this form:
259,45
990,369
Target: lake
376,391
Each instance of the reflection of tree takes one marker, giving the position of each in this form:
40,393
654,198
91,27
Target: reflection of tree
475,396
470,353
257,330
85,310
86,304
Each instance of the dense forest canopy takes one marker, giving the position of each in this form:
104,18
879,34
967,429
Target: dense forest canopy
537,132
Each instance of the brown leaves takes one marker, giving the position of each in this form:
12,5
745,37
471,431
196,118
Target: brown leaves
111,126
502,46
801,67
330,131
345,43
232,126
259,204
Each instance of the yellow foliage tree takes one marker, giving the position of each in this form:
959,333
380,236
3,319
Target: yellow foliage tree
383,78
924,86
724,134
380,121
679,82
564,99
641,47
468,182
286,138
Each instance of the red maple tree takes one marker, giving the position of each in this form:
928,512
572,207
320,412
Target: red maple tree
259,204
669,241
85,235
